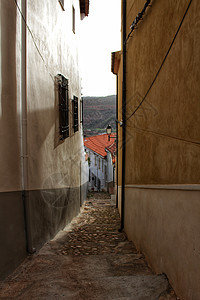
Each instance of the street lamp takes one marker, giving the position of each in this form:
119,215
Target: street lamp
108,131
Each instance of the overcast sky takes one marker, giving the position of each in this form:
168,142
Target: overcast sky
100,35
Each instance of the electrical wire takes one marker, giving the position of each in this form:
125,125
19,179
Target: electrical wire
158,72
165,135
138,19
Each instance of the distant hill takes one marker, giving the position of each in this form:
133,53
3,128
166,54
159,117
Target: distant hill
98,112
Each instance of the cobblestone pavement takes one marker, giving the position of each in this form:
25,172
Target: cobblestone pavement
89,259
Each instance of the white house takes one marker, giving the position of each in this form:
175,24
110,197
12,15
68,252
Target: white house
101,160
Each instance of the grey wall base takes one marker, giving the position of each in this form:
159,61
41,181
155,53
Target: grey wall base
12,232
50,211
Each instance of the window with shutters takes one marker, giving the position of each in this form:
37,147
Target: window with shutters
63,95
75,113
62,4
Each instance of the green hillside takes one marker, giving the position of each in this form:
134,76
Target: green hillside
98,112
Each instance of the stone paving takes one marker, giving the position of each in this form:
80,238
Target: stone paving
89,259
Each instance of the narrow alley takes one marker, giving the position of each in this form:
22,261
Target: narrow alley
89,259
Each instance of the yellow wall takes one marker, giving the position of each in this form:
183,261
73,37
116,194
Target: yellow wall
171,109
162,182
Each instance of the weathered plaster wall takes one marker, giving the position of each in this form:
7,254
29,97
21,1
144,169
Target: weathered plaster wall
54,167
162,141
57,174
119,156
12,231
171,109
12,227
164,225
9,131
52,28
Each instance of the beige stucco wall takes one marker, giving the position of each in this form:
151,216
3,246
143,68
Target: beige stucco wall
9,79
56,184
162,147
164,224
171,110
119,154
52,31
52,164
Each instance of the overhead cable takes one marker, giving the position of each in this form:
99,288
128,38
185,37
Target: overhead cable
166,55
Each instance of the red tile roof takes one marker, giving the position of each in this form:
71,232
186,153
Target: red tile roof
112,150
98,143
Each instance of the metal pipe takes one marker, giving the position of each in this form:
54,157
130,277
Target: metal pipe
123,118
24,147
117,177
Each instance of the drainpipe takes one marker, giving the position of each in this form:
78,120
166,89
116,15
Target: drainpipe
24,147
117,181
123,117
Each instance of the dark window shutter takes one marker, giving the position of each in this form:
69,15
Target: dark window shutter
75,113
63,107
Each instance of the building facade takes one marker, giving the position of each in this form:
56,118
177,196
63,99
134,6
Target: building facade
43,172
101,160
159,140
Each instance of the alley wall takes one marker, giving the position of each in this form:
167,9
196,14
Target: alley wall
43,178
162,183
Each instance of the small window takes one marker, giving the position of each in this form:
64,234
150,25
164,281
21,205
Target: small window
62,4
102,165
95,160
63,106
75,113
73,19
99,164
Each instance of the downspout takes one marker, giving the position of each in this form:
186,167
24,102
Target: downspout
24,147
123,117
117,181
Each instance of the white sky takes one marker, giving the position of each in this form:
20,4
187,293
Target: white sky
99,36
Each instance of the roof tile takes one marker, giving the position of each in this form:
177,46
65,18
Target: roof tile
98,143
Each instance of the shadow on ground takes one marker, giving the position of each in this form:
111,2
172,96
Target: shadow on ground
89,259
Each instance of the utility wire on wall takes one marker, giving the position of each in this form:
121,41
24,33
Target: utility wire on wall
165,135
168,51
138,19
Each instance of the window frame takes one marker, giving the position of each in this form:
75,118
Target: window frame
63,95
81,111
75,112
